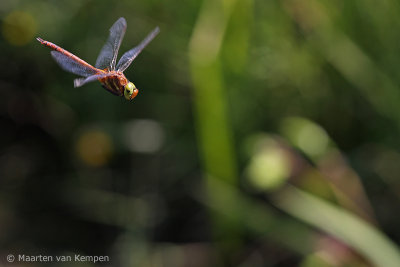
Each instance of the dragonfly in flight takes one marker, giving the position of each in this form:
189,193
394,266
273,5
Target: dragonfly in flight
107,70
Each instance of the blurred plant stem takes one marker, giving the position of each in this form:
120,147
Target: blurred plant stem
317,22
352,230
211,114
258,218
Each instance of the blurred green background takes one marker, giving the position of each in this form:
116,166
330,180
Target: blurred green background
265,133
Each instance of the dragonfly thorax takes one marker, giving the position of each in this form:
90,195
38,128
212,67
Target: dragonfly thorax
118,84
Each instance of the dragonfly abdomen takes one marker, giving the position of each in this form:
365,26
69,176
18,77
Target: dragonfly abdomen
68,54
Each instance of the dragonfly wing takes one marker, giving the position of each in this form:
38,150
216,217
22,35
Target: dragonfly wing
81,81
71,65
129,56
108,54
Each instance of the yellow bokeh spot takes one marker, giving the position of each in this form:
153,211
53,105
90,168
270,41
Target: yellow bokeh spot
19,28
269,168
94,148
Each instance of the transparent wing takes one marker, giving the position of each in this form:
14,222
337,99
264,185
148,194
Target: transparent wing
108,54
129,56
71,64
81,81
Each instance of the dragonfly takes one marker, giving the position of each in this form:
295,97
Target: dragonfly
107,71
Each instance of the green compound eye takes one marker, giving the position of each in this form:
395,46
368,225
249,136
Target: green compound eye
128,90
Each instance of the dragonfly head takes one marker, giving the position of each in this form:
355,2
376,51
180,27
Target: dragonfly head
130,91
